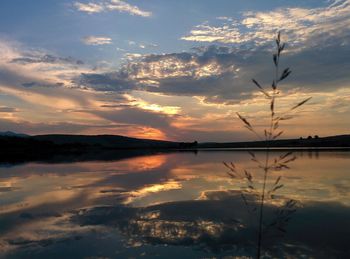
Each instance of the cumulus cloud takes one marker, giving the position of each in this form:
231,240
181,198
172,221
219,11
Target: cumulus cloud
210,73
186,73
222,74
94,40
207,33
213,76
157,67
40,85
111,5
89,7
32,79
301,25
125,7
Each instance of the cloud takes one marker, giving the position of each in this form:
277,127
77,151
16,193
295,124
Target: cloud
111,5
214,226
115,81
122,6
178,65
89,7
131,42
301,25
132,56
317,46
94,40
5,109
207,33
23,126
41,86
27,67
178,73
45,58
218,74
37,84
202,87
136,116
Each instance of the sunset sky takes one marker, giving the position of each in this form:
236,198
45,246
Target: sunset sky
176,70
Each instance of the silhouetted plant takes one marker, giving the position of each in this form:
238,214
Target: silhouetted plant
272,132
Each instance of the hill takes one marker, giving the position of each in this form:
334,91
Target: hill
340,141
60,148
105,141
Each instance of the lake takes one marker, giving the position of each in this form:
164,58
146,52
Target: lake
178,205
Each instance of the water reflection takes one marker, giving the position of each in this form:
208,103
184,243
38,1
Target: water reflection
179,203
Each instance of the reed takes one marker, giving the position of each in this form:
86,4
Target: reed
269,164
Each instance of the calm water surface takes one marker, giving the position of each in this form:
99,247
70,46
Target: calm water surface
178,205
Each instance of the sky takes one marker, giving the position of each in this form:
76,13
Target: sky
175,70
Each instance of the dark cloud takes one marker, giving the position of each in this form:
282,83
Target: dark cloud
122,116
10,77
29,127
39,84
7,109
46,59
137,116
116,106
117,82
19,78
222,74
215,135
230,225
173,74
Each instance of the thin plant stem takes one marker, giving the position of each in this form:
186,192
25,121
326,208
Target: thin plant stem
262,204
268,138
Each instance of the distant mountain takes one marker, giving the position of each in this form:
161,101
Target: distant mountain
13,134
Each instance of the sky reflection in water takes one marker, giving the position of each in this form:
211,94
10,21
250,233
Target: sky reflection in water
178,204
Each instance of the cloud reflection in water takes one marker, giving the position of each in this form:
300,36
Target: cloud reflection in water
152,204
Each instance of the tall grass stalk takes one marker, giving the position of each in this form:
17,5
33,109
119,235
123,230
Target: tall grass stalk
271,133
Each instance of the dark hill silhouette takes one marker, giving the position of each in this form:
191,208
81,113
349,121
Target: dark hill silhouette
59,147
340,141
13,134
69,148
106,141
